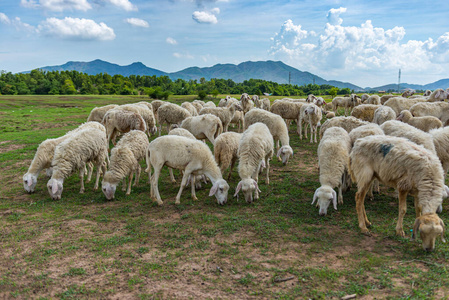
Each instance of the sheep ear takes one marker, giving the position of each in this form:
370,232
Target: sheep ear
237,189
257,187
54,187
315,196
415,229
334,199
214,189
442,234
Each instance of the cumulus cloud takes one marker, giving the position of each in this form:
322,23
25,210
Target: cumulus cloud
171,41
124,4
137,22
74,28
357,48
204,17
61,5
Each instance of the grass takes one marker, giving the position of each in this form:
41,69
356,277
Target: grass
84,246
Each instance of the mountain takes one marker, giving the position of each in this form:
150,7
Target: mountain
442,83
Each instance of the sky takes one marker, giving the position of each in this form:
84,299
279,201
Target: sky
358,41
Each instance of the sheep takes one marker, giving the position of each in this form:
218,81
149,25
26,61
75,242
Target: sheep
333,159
44,156
118,120
439,110
156,104
428,92
263,103
319,101
425,123
409,168
197,104
365,112
311,115
399,129
146,112
407,93
347,123
373,99
347,102
255,151
247,103
440,139
171,114
383,114
399,104
277,128
204,126
124,161
364,97
225,114
385,98
189,106
225,150
287,110
81,147
239,120
191,156
97,113
330,115
209,104
437,95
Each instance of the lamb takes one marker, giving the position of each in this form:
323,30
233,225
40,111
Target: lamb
383,114
247,103
171,114
225,114
277,128
97,113
124,161
333,159
439,110
226,150
425,123
194,157
118,120
204,126
365,112
311,115
44,156
347,123
410,169
347,102
189,106
255,151
81,147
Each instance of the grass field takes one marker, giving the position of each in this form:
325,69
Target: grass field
84,246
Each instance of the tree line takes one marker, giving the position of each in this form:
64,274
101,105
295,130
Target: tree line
39,82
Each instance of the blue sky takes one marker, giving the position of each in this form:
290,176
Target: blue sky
362,42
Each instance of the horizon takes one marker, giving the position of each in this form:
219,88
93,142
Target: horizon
358,42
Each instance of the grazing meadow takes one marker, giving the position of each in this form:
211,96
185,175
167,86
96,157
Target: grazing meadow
86,247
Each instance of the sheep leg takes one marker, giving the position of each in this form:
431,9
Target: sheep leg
417,207
370,192
160,129
90,171
192,183
97,179
311,131
268,171
234,159
172,178
123,183
340,195
130,180
154,184
81,175
360,207
299,127
183,184
138,171
402,210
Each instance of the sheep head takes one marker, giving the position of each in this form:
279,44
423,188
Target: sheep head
108,189
284,153
220,189
429,227
325,195
248,187
29,182
55,187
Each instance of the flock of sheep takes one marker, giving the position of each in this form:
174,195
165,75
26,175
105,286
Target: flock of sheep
370,146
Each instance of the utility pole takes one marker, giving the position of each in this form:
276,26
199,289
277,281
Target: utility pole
399,81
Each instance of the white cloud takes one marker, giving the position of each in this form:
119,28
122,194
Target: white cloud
171,41
333,16
74,28
4,19
17,23
29,3
180,55
61,5
204,17
215,11
137,22
125,4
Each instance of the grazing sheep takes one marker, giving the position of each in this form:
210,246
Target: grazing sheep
191,156
203,127
247,103
255,151
146,112
180,132
311,115
71,155
124,162
171,114
347,123
263,103
383,114
44,156
288,110
209,104
226,150
97,113
118,120
197,104
399,129
277,128
439,110
410,169
399,104
156,104
365,112
440,139
425,123
347,102
373,99
189,106
385,98
225,114
333,159
239,119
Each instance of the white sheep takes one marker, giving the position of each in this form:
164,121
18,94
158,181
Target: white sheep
425,123
288,110
407,93
409,168
71,155
205,126
144,110
365,112
346,102
311,115
439,110
44,156
399,104
224,113
239,120
191,156
262,103
189,106
209,104
255,151
333,159
347,123
97,113
373,99
169,114
437,95
120,120
364,97
124,162
156,104
383,114
277,128
198,105
226,150
180,132
247,103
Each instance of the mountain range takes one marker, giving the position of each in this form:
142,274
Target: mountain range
275,71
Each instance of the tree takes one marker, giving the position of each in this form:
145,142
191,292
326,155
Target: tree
333,92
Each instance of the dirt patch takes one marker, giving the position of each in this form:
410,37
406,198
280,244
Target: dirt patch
9,147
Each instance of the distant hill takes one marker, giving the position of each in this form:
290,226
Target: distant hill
443,83
275,71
